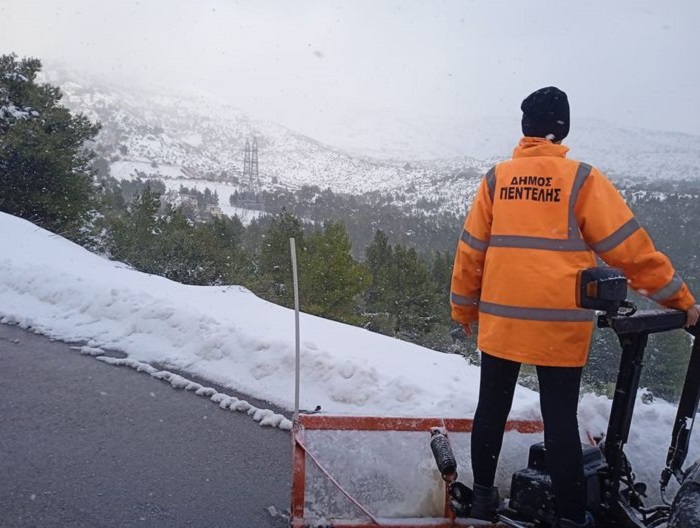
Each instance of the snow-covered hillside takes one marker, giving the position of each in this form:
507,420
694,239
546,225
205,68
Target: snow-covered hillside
195,141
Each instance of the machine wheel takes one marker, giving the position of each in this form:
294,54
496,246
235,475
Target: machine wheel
685,510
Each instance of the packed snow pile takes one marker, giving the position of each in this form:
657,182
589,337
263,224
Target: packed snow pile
231,337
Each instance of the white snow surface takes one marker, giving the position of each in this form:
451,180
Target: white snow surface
232,338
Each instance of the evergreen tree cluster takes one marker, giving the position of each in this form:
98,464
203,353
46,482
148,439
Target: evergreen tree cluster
392,290
45,170
423,229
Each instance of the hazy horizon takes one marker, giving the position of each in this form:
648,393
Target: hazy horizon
320,67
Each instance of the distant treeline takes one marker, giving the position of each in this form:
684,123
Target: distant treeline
421,226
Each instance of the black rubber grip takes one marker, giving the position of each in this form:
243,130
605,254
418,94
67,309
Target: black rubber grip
445,459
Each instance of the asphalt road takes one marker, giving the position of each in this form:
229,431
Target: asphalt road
86,444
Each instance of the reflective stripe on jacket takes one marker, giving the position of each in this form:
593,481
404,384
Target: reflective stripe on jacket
537,220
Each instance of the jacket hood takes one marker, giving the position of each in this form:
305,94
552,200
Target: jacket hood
533,146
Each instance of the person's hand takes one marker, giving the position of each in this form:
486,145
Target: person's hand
467,327
692,316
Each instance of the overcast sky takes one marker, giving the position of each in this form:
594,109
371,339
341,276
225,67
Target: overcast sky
310,64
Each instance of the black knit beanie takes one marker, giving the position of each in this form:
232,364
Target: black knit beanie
546,114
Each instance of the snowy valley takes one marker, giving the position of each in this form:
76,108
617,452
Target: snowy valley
200,142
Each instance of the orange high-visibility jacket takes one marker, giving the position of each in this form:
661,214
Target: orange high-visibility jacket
537,220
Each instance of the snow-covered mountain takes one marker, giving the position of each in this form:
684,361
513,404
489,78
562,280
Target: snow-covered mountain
197,141
632,152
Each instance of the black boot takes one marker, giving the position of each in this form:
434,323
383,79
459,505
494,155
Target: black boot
588,523
485,502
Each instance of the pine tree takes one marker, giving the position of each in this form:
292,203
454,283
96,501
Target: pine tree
45,171
330,279
413,295
441,274
378,261
233,262
133,234
402,292
275,268
229,230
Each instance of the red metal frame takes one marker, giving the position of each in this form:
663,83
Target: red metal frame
378,423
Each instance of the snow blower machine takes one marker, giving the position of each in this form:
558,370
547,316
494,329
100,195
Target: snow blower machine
614,497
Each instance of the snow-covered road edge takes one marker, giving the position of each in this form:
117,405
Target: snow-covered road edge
265,417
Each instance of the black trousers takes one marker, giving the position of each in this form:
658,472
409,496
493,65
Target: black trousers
559,392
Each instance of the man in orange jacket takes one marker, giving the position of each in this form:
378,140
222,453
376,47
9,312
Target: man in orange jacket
538,219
